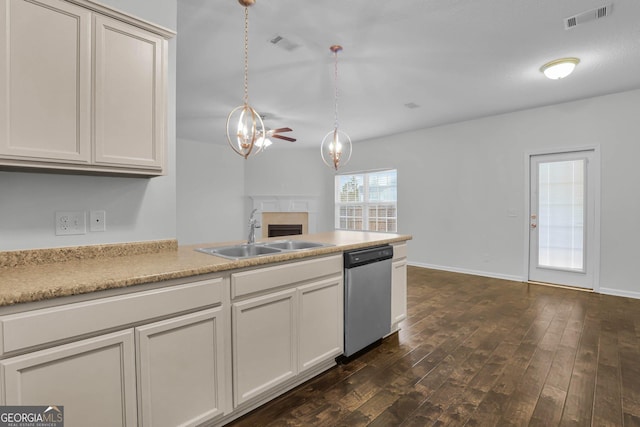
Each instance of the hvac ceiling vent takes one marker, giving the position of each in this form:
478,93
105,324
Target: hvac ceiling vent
589,15
283,43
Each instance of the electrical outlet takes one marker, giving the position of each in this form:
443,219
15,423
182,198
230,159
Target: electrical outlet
97,221
70,223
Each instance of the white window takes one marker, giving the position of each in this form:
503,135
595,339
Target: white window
367,201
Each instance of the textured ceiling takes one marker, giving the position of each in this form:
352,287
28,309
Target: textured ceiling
455,59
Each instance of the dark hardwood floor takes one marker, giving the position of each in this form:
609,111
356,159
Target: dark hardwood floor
476,351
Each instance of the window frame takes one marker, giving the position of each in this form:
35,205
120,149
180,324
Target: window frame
351,219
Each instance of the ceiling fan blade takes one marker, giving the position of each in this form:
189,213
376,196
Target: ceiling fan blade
280,130
286,138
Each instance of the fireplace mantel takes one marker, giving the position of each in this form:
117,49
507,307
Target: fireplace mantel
289,203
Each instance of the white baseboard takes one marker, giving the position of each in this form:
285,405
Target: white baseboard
619,293
472,272
600,290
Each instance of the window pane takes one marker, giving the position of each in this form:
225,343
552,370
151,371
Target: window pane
350,188
382,186
561,214
382,218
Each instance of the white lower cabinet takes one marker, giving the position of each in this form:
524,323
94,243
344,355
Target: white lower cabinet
181,369
94,379
264,343
398,286
169,372
287,324
321,322
185,354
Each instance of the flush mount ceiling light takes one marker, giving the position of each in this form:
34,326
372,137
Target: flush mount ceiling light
559,68
245,129
336,145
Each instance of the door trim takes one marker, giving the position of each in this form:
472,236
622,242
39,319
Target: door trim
594,261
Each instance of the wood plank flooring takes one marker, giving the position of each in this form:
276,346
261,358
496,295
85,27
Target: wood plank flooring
475,351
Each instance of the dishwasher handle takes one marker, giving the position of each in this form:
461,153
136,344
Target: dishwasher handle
367,256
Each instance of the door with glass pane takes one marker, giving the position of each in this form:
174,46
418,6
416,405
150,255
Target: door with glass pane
562,218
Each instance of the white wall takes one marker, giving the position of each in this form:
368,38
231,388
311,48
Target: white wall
137,208
215,185
457,183
460,185
210,193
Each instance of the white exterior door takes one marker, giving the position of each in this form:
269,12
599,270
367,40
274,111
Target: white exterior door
562,218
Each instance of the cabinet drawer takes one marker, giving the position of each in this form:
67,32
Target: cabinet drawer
262,279
40,327
400,251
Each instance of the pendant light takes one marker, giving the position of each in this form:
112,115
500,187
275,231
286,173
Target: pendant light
244,124
336,145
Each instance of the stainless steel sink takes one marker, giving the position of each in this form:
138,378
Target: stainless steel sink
240,251
294,245
243,251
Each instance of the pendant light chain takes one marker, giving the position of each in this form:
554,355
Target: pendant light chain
335,81
246,55
336,146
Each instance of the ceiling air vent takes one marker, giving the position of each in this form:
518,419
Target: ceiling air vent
283,43
589,15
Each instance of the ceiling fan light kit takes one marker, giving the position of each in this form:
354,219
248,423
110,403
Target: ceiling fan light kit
336,146
264,140
559,68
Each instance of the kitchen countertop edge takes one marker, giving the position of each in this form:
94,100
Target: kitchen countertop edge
114,268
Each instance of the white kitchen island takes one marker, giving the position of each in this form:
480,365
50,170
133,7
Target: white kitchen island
174,337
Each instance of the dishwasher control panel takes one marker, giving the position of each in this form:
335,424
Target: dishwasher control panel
367,256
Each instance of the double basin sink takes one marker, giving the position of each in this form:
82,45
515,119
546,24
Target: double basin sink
261,249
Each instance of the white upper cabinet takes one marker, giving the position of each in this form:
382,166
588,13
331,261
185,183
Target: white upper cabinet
81,91
129,97
45,81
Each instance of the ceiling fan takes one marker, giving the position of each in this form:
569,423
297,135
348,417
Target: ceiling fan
273,133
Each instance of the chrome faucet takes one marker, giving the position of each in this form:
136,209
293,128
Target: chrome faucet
253,224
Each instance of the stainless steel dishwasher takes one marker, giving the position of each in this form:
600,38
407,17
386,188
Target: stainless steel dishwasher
367,297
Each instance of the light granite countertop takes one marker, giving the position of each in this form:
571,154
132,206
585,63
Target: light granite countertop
36,275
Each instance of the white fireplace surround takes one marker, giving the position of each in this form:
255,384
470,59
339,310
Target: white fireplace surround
307,204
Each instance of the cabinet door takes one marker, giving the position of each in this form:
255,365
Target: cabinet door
321,322
398,292
129,96
181,369
93,379
264,343
45,81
